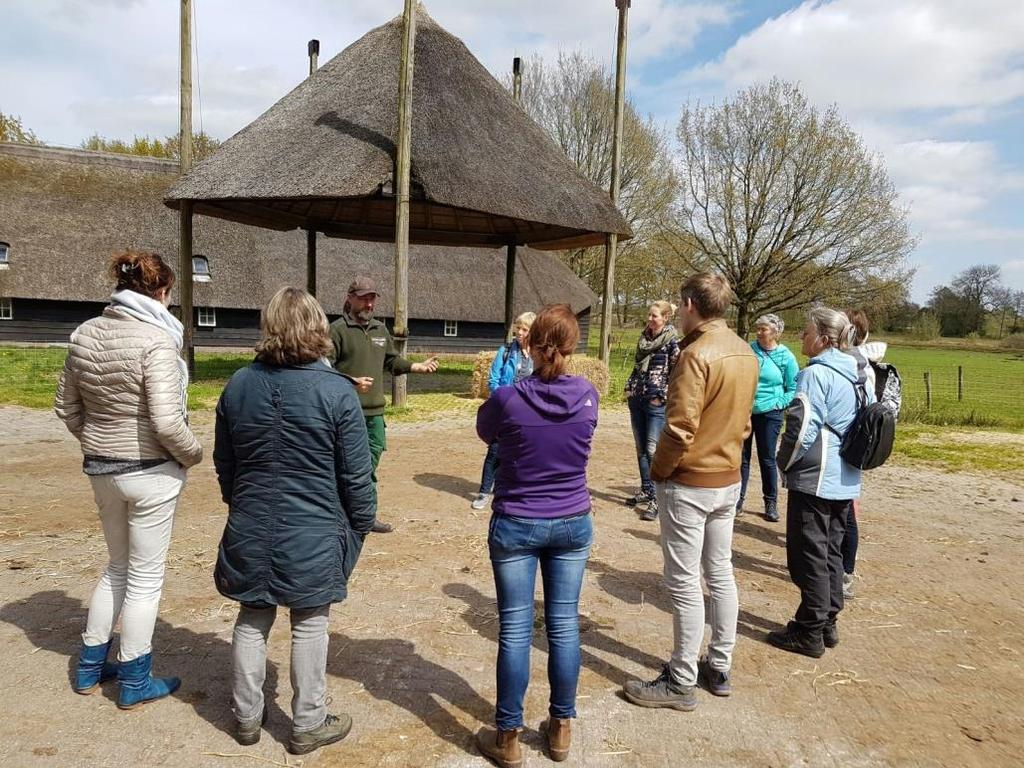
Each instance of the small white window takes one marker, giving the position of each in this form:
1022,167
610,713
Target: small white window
451,327
5,255
208,317
201,270
6,309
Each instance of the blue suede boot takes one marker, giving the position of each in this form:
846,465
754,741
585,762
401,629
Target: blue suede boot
93,668
138,684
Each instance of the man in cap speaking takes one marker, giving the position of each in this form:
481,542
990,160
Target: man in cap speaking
363,349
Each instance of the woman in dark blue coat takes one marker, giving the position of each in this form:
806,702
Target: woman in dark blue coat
293,462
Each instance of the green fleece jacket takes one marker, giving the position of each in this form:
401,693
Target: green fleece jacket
366,350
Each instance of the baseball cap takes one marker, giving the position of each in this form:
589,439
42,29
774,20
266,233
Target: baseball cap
363,286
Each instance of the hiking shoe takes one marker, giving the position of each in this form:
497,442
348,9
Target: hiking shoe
797,640
481,500
501,747
771,511
379,526
830,634
650,511
334,728
248,733
639,498
716,680
848,592
559,736
663,691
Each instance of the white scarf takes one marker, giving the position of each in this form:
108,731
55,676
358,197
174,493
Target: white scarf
151,311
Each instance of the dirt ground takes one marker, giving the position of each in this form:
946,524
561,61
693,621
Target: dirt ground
928,671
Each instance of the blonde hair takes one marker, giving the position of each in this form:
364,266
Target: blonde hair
710,293
553,337
524,321
834,326
665,308
293,329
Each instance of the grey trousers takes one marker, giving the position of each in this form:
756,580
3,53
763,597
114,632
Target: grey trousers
308,664
696,535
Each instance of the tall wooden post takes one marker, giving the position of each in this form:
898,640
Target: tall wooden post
510,255
313,49
185,206
611,244
403,164
517,79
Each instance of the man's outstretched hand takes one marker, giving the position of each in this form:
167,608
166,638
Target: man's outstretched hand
427,366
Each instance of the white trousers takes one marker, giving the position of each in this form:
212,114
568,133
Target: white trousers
696,536
137,512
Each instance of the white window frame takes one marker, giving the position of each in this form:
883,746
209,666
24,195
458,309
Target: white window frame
5,255
207,317
451,328
201,277
6,308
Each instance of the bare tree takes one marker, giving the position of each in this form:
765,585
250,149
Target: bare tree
785,200
573,100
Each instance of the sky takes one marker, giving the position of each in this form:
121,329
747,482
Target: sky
935,87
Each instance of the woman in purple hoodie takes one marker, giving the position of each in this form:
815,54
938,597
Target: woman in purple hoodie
541,514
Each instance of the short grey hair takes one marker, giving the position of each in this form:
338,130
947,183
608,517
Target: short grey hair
834,326
773,321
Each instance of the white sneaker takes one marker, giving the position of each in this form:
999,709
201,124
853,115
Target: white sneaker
481,500
848,589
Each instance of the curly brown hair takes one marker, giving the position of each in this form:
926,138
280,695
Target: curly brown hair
141,271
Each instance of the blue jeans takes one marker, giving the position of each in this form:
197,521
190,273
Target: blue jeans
562,546
647,421
490,469
765,432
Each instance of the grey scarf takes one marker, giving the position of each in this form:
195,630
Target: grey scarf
646,347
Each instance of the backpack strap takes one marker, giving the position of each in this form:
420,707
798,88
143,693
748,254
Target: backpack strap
859,392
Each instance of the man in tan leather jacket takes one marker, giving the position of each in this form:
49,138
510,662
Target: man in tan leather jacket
697,472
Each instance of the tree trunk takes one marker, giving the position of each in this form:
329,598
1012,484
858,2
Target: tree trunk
742,313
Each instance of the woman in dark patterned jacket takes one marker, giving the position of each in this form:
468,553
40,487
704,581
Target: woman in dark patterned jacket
656,353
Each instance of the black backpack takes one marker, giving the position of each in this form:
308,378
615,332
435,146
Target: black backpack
869,439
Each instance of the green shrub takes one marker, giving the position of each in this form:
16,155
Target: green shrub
926,327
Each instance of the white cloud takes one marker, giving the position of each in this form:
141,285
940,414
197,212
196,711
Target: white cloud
879,55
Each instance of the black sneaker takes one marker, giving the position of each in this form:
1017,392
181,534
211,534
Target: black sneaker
663,691
716,680
334,728
797,640
638,499
771,511
739,506
379,526
650,511
830,634
248,733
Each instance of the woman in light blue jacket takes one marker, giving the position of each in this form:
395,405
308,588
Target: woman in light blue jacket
511,364
829,393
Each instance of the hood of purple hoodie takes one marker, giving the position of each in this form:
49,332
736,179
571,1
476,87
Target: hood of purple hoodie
560,398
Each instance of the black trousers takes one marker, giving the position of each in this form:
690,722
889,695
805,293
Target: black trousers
815,528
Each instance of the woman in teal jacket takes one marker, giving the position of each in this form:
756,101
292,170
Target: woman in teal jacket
776,386
511,364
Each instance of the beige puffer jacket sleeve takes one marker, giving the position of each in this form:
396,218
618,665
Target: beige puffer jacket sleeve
161,379
68,403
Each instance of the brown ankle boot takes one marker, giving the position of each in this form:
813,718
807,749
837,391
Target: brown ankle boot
559,738
502,747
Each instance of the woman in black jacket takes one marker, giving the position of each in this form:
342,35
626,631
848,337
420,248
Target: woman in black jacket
293,462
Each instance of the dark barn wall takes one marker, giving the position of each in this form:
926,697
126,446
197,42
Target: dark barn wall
46,321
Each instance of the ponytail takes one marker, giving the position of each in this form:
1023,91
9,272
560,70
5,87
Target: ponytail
553,338
142,272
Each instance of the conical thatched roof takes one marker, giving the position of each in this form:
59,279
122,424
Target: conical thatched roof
64,212
483,172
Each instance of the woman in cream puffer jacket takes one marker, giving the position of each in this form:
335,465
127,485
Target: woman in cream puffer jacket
122,393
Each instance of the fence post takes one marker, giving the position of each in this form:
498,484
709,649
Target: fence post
927,390
960,383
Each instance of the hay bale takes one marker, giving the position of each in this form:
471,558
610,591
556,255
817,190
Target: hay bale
590,368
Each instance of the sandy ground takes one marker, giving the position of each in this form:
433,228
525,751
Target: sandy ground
928,671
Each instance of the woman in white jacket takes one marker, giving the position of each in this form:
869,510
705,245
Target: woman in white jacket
122,393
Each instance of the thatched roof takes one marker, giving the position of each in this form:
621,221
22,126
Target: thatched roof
64,212
483,172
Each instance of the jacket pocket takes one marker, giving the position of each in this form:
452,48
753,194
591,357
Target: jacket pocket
351,547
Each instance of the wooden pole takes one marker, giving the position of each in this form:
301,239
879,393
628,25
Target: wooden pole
517,79
403,166
611,243
311,261
510,289
927,390
960,383
313,49
185,206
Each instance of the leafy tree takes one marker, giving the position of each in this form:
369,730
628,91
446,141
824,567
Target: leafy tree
573,101
962,306
785,200
202,145
12,129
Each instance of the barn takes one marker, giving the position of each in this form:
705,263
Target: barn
63,212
